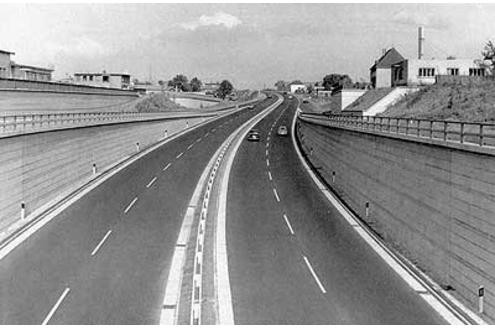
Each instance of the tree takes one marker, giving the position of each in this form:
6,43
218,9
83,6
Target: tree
196,84
488,54
310,89
179,82
296,82
281,85
333,81
225,89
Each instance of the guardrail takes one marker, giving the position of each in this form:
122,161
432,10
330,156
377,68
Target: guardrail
477,133
23,123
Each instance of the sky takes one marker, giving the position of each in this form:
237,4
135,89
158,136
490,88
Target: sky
252,45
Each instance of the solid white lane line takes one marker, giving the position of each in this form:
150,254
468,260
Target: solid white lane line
314,275
130,205
167,166
276,195
55,307
101,243
288,224
267,162
270,175
190,146
151,182
178,156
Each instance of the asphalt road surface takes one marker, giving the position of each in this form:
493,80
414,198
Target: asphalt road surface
292,258
106,258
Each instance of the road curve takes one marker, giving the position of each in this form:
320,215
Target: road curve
105,259
292,258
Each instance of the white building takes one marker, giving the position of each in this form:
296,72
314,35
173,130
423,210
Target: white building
414,72
298,88
104,79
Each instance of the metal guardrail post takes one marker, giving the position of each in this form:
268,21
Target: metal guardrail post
481,135
444,131
461,134
407,127
431,129
418,132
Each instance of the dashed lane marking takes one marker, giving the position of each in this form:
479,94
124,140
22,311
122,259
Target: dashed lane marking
55,307
267,162
314,275
151,182
179,156
190,146
276,195
166,166
130,205
101,243
270,175
288,224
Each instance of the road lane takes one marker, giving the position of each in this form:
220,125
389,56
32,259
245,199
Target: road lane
123,282
312,269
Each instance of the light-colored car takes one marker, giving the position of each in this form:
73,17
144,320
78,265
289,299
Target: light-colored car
253,136
282,130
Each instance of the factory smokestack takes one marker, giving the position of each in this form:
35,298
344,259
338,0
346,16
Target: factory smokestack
421,40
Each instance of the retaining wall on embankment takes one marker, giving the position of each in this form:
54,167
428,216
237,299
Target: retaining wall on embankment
434,203
36,168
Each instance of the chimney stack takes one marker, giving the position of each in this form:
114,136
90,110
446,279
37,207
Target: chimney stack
421,40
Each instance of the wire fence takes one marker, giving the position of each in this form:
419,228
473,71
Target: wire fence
476,133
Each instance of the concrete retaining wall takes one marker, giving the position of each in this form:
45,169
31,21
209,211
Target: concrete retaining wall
435,204
36,168
26,101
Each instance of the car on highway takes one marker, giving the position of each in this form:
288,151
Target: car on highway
253,135
251,107
282,130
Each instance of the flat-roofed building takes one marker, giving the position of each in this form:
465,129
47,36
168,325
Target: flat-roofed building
5,62
11,70
104,79
414,72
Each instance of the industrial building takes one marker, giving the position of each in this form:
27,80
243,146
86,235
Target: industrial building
11,70
104,79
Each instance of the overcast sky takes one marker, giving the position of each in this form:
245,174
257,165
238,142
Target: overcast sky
249,44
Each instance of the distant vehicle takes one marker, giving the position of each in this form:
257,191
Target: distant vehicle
282,130
290,97
269,96
251,107
253,135
305,101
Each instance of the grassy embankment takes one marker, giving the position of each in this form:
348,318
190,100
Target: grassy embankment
470,102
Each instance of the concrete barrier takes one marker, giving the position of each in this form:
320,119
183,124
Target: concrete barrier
35,168
434,203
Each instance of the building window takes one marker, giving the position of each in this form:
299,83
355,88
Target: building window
106,78
85,77
476,72
452,71
426,72
91,77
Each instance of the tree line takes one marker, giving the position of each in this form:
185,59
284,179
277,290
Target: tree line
181,83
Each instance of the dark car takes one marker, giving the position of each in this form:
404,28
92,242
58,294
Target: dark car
282,130
253,135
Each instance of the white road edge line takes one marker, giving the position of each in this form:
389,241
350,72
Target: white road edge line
408,277
167,166
225,306
101,243
55,307
314,275
276,195
151,182
288,224
130,205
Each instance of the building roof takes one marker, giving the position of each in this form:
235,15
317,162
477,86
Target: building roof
101,73
390,57
31,68
7,52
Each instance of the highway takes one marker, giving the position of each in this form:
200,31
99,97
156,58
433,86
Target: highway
106,258
293,259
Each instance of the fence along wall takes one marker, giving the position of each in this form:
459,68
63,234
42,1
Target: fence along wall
435,204
36,168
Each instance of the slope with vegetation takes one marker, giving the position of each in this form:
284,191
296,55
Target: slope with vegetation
157,102
368,99
471,101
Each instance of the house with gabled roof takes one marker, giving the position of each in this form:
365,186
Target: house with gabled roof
381,71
